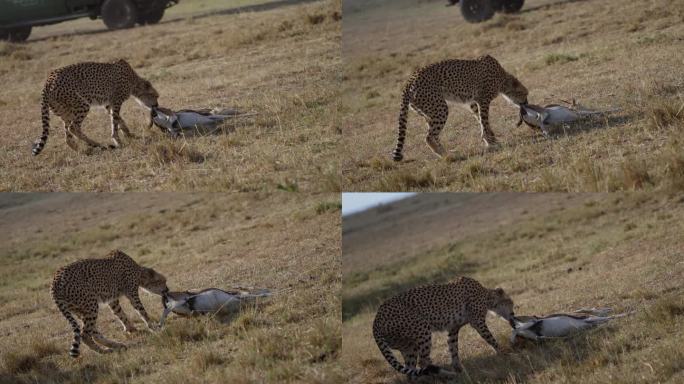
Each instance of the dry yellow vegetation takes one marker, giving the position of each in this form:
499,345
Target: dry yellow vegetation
552,253
287,242
280,62
609,53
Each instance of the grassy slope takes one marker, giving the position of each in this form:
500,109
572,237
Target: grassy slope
621,251
608,53
280,63
279,241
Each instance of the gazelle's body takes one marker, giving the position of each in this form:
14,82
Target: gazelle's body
175,122
552,114
558,325
209,301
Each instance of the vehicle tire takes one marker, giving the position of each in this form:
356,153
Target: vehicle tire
119,14
475,11
508,6
18,34
152,16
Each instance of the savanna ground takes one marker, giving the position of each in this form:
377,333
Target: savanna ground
605,54
551,253
279,60
287,242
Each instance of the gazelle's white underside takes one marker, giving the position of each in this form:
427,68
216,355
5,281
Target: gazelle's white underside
557,326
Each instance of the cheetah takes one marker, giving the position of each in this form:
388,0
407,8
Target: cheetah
79,287
406,321
472,82
70,92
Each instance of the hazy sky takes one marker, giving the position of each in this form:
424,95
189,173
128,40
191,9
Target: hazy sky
356,202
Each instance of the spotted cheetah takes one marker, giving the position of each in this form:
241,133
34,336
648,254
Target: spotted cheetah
70,92
407,320
472,82
79,287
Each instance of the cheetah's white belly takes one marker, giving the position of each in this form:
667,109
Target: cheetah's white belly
458,99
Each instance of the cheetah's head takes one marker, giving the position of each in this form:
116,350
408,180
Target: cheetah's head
502,305
514,91
153,281
145,94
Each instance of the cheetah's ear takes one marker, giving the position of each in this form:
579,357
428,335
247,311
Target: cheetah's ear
499,291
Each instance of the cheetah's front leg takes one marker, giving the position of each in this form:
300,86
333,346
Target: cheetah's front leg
487,134
121,315
481,327
120,123
135,301
116,123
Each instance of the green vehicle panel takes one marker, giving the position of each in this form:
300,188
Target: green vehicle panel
18,16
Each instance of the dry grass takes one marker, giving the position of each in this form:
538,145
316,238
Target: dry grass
280,63
605,54
283,241
560,253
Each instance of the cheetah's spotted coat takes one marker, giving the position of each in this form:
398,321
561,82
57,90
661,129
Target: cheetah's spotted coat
406,321
79,287
472,82
70,92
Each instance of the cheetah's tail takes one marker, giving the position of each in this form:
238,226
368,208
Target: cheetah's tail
74,350
45,115
389,356
397,154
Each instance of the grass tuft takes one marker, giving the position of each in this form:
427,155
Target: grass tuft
204,360
406,181
665,113
666,310
18,362
328,206
171,152
559,58
635,174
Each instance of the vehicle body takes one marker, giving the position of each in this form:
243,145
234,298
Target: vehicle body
18,17
475,11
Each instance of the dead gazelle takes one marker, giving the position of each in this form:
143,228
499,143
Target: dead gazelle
223,304
559,325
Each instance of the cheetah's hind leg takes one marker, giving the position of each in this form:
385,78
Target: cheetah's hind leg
69,137
106,342
88,340
75,129
435,114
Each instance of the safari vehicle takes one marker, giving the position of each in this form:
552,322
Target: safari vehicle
475,11
17,17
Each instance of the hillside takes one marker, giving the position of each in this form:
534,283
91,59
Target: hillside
605,54
551,253
279,60
285,242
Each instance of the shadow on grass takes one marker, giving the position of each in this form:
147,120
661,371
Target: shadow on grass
591,124
524,362
582,126
48,372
